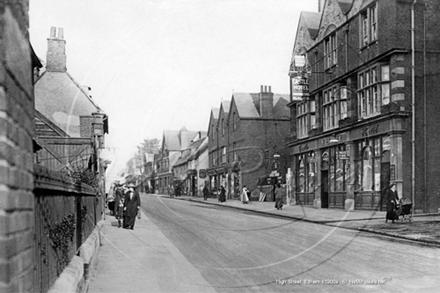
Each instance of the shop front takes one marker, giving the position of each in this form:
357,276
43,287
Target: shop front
350,169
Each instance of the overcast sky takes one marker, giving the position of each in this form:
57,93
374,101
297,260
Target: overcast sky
163,64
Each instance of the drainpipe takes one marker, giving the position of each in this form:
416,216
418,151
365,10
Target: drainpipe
413,108
425,153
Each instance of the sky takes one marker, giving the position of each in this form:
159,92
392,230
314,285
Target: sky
156,65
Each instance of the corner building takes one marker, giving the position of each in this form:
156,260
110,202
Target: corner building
370,117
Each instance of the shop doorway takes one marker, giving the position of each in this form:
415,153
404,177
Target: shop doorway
324,189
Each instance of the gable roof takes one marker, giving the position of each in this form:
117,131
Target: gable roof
225,104
170,140
311,20
62,100
245,105
280,108
215,112
248,105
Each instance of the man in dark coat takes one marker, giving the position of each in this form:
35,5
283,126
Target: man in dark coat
132,204
222,197
205,191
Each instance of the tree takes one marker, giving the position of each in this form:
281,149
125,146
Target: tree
149,146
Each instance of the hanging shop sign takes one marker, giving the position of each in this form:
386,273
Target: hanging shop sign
300,86
202,173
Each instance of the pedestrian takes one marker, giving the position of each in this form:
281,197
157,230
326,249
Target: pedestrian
222,196
244,195
205,192
119,203
132,205
392,200
278,197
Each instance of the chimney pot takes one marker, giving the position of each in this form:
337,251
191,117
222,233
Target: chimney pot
270,90
261,88
53,32
265,88
60,33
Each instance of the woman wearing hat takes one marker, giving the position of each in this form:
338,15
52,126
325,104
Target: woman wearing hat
132,204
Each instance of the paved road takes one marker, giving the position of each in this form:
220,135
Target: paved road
238,251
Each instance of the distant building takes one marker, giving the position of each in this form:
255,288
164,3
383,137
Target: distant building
190,168
247,141
370,114
173,142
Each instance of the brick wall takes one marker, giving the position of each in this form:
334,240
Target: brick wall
16,154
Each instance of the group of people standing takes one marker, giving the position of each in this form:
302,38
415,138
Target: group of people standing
127,205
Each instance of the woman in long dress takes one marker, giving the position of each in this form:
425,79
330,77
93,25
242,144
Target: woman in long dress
244,195
392,200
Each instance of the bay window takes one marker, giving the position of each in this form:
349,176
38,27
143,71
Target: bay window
374,90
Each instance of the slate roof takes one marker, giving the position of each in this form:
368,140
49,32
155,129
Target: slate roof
248,105
215,112
62,100
312,20
245,105
188,155
225,105
171,140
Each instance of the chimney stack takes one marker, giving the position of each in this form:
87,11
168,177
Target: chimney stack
56,51
266,103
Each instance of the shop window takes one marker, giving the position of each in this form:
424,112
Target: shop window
369,156
306,172
301,175
367,169
311,172
337,157
374,90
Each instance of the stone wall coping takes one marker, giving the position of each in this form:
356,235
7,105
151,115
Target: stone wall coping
45,178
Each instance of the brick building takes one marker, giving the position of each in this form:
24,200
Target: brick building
371,112
173,142
188,166
244,135
17,62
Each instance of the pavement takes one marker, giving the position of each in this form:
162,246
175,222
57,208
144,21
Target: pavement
116,259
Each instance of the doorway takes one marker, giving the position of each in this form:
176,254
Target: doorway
385,177
324,189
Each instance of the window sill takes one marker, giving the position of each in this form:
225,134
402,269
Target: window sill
367,46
